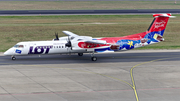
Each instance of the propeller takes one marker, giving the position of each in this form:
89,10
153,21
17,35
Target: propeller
68,44
57,38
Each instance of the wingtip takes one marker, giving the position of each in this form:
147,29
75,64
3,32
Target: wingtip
65,31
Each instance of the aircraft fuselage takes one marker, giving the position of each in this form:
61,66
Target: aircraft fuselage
41,47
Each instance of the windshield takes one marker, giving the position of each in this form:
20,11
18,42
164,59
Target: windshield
18,46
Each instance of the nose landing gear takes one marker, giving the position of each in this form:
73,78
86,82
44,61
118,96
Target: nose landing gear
13,58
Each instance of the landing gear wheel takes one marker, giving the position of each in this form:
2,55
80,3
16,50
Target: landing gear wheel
13,58
94,58
80,54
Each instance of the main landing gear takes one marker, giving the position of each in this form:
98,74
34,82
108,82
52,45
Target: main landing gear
13,58
93,58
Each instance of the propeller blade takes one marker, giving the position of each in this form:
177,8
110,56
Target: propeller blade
56,35
69,44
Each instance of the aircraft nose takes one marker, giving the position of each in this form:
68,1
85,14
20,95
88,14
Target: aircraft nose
9,52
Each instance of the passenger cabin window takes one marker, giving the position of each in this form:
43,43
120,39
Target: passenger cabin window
19,46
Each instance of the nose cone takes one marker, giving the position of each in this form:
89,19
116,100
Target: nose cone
9,52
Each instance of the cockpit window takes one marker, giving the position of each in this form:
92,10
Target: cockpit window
15,46
19,46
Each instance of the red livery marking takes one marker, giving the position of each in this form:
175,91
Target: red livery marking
159,24
115,47
114,40
90,45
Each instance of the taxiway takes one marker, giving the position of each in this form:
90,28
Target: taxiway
127,76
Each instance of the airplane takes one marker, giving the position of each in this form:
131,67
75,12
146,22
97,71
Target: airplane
73,43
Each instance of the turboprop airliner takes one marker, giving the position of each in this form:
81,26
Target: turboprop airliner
73,43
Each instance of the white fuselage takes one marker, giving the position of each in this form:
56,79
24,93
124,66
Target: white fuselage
41,47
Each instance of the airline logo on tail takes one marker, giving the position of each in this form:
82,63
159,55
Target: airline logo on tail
159,24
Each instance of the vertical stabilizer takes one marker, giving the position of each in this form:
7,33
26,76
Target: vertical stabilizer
159,23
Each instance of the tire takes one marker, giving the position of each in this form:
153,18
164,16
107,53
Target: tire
94,58
80,54
13,58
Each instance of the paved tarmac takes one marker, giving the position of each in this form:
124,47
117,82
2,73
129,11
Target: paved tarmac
144,75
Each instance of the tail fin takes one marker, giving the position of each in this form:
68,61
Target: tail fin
159,23
157,27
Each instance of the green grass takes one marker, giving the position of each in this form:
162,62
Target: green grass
82,5
14,29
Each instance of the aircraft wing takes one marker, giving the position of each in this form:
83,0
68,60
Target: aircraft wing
96,41
68,33
85,42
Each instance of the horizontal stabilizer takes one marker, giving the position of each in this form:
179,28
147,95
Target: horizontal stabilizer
163,15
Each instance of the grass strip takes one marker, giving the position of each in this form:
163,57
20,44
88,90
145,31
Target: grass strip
14,29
